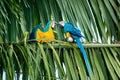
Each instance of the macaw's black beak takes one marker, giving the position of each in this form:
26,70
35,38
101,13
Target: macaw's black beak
59,25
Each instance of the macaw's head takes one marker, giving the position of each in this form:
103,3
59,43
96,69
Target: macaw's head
53,23
61,24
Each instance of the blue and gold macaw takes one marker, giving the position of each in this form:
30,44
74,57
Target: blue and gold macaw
40,33
75,33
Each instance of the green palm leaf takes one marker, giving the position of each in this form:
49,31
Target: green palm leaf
99,22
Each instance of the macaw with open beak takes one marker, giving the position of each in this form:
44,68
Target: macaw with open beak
75,34
46,32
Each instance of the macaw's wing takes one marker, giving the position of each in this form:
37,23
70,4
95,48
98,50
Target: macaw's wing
80,46
76,32
73,30
34,32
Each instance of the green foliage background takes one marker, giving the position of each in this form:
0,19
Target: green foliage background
99,21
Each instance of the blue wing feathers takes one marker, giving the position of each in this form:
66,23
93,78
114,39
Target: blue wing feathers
73,30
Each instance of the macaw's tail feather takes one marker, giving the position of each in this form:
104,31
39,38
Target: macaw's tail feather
80,46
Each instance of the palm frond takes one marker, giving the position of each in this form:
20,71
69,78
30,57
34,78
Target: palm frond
99,21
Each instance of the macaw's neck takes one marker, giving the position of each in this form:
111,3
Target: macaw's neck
46,28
